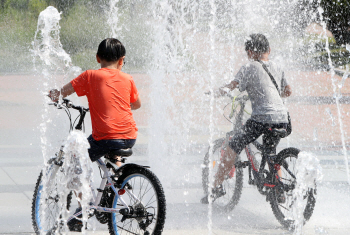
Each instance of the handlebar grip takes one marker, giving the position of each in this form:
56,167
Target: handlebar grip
242,98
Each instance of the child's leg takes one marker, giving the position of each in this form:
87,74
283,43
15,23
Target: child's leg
225,166
118,163
252,131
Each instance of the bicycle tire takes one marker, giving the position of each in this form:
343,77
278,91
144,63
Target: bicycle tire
232,185
41,224
287,159
147,187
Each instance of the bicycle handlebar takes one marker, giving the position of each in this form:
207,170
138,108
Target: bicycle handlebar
68,104
243,98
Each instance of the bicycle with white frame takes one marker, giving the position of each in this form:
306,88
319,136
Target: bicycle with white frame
130,198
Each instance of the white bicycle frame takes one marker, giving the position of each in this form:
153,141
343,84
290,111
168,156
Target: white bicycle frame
106,181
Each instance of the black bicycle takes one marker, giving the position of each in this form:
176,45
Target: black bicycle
130,198
274,175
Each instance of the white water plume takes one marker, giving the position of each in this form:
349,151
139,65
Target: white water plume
78,169
308,174
336,94
54,68
47,45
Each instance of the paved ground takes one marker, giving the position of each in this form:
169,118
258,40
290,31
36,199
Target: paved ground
21,160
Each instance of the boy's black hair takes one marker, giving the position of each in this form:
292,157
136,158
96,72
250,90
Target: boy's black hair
258,43
111,49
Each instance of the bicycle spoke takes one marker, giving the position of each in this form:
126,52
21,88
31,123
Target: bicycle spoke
47,205
126,230
143,215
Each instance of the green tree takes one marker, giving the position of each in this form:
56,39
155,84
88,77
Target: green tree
337,16
62,5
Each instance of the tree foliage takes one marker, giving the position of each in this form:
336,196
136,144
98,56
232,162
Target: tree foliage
337,16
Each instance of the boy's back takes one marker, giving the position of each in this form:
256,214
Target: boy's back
267,104
109,92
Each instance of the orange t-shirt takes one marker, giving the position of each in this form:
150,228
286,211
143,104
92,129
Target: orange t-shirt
109,92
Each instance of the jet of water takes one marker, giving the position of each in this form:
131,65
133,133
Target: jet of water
309,172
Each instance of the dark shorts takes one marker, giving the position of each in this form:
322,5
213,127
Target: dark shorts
251,131
102,147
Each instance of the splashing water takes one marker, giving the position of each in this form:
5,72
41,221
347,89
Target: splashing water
45,46
78,168
179,56
55,68
212,100
309,172
329,112
337,95
47,43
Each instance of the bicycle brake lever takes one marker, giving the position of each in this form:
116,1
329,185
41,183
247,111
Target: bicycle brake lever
59,106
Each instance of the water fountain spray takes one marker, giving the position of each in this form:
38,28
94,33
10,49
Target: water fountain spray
56,68
337,93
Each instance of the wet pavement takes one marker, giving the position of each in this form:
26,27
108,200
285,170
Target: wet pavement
314,130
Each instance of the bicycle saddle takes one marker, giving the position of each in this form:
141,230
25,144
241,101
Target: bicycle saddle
121,152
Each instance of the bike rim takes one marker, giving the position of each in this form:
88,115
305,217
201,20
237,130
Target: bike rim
143,190
288,178
48,211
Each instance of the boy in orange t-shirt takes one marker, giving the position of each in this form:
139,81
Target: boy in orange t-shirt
112,95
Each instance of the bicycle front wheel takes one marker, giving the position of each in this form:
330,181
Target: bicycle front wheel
233,182
145,197
283,210
46,204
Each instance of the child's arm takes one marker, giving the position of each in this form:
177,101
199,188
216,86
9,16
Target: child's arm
231,86
66,90
136,104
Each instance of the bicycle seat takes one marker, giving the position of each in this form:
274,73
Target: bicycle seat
281,132
121,152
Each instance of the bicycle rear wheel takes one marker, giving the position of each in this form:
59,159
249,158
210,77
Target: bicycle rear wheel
147,216
233,182
47,204
283,211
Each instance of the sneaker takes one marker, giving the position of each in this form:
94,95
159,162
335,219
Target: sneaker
74,224
216,192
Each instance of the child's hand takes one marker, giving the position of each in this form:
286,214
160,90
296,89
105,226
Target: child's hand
217,93
287,91
54,94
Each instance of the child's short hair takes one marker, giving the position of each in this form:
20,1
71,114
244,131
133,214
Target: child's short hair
111,49
257,43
